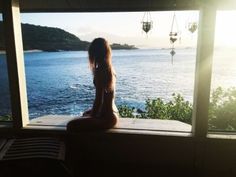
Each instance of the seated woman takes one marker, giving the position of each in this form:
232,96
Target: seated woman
104,114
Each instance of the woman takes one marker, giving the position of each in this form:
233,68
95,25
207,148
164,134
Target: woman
104,114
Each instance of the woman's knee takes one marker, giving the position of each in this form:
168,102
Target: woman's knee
91,124
113,121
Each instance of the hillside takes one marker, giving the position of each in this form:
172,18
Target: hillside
53,39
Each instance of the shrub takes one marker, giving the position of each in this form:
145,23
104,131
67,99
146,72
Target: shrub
179,109
222,109
6,118
175,109
126,111
155,109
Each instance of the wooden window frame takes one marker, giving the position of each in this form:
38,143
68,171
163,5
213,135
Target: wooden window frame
15,63
205,47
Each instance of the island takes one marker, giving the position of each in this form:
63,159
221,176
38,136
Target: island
52,39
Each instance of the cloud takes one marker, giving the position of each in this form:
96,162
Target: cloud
140,40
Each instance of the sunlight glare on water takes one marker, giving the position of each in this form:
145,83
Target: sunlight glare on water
224,59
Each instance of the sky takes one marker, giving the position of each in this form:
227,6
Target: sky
120,27
126,27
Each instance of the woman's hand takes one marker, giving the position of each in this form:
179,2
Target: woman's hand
88,112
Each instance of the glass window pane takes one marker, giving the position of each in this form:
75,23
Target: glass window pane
151,84
222,110
5,106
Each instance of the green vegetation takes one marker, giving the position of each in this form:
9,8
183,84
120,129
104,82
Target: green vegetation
52,39
222,109
126,111
6,118
176,109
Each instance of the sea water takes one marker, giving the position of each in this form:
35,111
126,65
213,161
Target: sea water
62,83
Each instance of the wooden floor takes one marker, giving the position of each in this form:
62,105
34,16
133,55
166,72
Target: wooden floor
124,123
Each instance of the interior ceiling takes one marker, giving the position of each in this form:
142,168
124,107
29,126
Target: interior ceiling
119,5
105,5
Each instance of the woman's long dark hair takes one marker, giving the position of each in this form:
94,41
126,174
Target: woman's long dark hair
100,57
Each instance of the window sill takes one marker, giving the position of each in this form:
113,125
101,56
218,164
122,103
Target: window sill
5,124
222,135
125,126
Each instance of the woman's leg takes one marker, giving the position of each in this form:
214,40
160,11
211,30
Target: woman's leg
91,123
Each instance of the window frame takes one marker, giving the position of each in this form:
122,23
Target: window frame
200,149
15,63
205,48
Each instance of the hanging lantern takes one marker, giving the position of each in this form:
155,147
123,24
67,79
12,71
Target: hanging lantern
147,26
173,37
146,22
172,52
174,30
192,27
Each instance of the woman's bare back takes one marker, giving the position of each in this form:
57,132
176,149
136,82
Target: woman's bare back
105,114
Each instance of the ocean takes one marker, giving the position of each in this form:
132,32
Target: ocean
62,83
